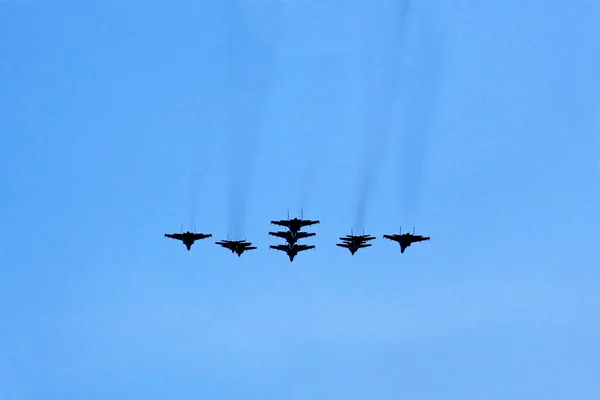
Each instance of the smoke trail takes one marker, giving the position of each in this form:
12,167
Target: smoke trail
329,88
250,57
424,70
196,166
309,176
194,183
326,88
381,81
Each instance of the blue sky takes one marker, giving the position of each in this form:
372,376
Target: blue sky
476,122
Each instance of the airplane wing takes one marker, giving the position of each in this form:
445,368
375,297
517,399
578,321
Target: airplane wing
281,223
250,248
302,235
363,238
420,238
278,234
302,247
199,236
304,223
392,237
176,236
281,247
344,245
362,246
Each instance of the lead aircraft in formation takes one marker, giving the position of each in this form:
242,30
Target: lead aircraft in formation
295,225
354,242
188,238
351,242
406,239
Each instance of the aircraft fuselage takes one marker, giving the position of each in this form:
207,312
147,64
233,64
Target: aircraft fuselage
291,253
188,240
406,239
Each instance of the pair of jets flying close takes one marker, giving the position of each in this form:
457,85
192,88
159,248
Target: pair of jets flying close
293,234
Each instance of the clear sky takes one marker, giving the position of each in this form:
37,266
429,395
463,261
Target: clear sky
478,123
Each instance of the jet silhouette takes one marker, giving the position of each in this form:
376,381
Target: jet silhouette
292,237
295,224
354,242
292,250
236,246
406,239
188,238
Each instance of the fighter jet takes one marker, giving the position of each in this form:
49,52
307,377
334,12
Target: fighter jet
236,246
292,249
406,239
354,242
188,238
295,224
292,237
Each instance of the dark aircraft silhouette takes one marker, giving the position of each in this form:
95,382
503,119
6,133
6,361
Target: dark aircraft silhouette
236,246
188,238
292,250
406,239
292,237
295,224
354,242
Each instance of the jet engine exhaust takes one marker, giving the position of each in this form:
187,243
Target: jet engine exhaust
250,52
194,199
381,83
424,69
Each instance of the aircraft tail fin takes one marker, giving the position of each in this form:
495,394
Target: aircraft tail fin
302,214
413,230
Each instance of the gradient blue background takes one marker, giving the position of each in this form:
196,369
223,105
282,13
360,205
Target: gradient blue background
476,122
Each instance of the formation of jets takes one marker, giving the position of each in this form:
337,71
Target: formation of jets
354,242
293,234
236,246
